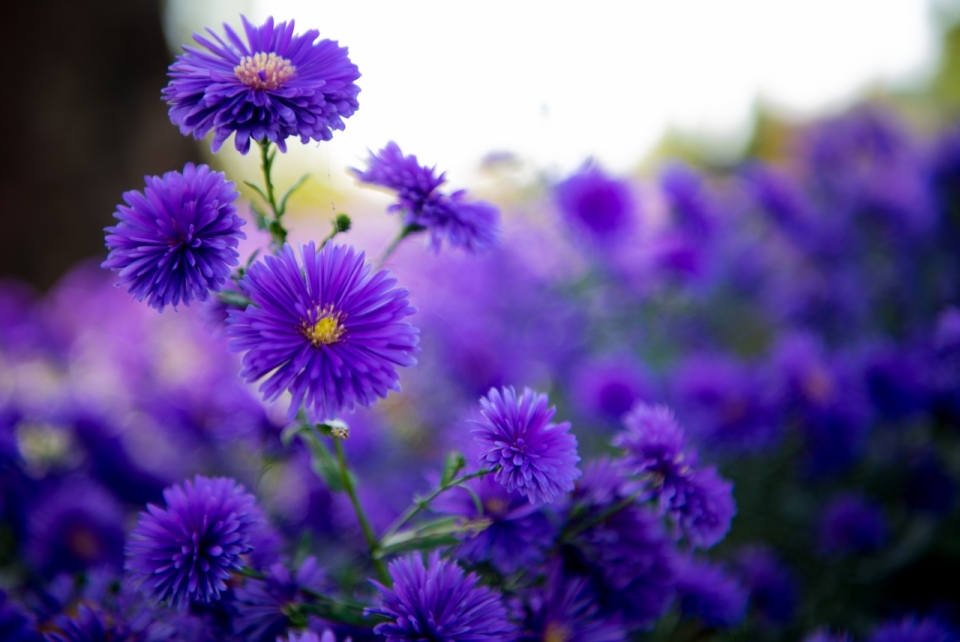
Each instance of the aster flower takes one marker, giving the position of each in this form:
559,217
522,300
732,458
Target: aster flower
15,624
176,241
596,203
472,225
89,625
913,629
566,609
187,550
851,524
610,386
262,604
331,332
708,593
438,602
708,508
536,458
773,588
274,85
310,636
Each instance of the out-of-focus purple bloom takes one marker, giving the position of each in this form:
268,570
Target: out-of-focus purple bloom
707,592
610,386
187,550
517,534
898,382
331,333
437,601
692,210
596,203
780,198
176,241
773,588
90,625
310,636
472,225
566,609
851,524
929,485
274,85
261,604
913,629
708,508
536,458
77,526
15,624
825,636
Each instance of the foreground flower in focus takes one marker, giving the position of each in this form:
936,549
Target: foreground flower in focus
536,458
438,602
187,550
176,241
274,85
472,225
331,333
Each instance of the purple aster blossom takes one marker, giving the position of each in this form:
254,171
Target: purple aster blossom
566,609
176,241
852,524
898,381
331,333
436,601
707,592
773,588
274,85
693,211
708,508
90,625
187,550
77,526
517,533
596,203
913,629
655,446
452,218
15,624
261,604
536,458
610,386
824,635
309,636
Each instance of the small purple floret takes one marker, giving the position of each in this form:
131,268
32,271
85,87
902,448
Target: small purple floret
438,602
536,458
593,201
332,333
176,241
273,86
187,550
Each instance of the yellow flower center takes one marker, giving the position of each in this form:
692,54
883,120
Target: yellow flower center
557,633
264,71
327,329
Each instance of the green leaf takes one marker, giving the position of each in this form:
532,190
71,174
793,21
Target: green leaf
283,200
322,461
257,189
452,465
430,535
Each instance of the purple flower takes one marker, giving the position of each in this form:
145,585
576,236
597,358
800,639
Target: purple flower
310,636
471,225
187,550
705,591
438,602
596,203
609,387
274,85
77,526
851,524
331,332
566,609
516,536
261,604
913,629
773,588
89,625
176,241
536,458
824,635
708,508
15,624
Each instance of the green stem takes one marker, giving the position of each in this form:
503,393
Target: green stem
368,535
423,502
596,519
407,230
276,228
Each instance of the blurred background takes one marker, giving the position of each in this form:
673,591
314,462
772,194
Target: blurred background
490,91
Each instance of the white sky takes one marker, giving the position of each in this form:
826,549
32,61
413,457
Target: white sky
557,81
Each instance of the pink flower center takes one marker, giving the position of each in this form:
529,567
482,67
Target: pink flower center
264,71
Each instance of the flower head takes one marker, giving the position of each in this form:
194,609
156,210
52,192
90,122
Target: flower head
913,629
472,225
565,609
591,200
187,550
331,332
176,241
438,602
705,591
852,524
536,458
274,85
262,604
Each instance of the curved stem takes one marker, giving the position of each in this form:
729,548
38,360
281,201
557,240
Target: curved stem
407,230
372,543
276,228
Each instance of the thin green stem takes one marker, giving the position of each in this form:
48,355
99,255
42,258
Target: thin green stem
421,503
407,230
372,543
275,227
598,518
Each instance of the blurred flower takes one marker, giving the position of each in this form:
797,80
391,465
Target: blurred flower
275,85
15,624
330,332
176,241
773,588
89,625
594,202
566,609
708,593
536,458
825,636
608,387
708,508
187,550
438,602
851,524
262,605
471,225
310,636
913,629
